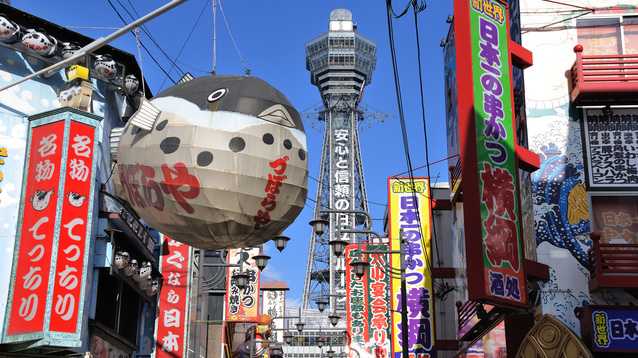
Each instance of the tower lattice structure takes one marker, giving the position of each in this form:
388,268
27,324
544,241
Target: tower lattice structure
341,63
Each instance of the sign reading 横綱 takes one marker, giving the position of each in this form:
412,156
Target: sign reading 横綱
357,308
170,332
51,255
410,214
497,274
610,328
242,305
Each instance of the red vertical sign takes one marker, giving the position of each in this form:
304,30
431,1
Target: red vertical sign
68,283
357,307
34,249
170,335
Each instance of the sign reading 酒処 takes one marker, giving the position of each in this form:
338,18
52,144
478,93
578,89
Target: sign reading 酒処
51,256
170,332
612,148
242,305
357,307
410,215
490,167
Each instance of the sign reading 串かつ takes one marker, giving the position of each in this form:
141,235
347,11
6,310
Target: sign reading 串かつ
410,215
242,305
502,259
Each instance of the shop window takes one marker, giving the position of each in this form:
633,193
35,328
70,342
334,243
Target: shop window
616,218
107,300
129,313
630,27
600,36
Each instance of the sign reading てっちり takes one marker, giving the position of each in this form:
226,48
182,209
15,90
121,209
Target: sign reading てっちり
51,254
170,332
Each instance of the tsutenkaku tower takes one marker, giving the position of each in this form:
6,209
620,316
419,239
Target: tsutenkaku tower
340,63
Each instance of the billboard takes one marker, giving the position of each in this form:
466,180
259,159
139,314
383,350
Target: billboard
51,254
172,318
274,305
488,154
410,214
242,305
610,328
379,300
357,306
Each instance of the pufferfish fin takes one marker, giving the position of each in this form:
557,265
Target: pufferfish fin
114,141
277,114
187,77
145,116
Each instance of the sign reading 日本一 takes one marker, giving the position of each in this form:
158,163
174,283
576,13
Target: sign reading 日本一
50,266
495,139
614,329
410,214
172,312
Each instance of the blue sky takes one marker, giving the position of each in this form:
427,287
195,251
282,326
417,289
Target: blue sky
271,35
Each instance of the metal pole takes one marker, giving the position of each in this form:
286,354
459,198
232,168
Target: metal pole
404,303
214,37
97,43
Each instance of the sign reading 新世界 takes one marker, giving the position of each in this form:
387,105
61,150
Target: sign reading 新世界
611,328
410,216
612,148
502,260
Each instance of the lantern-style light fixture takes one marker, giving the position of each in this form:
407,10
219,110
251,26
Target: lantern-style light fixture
334,319
319,342
330,353
299,326
281,242
360,267
288,338
261,261
321,304
241,280
319,226
338,246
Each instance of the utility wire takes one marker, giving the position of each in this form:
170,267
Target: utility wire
425,130
181,49
232,39
159,65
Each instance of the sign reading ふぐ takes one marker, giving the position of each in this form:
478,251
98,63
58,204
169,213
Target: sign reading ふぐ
502,259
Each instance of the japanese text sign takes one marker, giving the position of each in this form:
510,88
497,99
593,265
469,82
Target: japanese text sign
274,305
242,305
410,215
501,262
357,307
171,322
613,329
49,264
379,299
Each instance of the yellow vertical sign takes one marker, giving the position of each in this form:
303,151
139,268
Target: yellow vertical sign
410,213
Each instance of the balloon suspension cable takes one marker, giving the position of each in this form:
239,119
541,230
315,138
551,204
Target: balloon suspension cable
139,55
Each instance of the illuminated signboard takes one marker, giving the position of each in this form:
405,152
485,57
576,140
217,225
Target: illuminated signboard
357,305
610,328
242,305
410,214
51,254
489,164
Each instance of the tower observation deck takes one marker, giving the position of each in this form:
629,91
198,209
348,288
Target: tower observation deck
341,63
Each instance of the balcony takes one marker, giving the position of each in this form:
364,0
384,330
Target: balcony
604,79
613,265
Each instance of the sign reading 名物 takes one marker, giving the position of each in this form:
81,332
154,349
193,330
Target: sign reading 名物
410,214
379,300
613,329
51,256
172,312
612,148
242,305
357,308
502,258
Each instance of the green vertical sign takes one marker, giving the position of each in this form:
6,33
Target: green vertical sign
497,167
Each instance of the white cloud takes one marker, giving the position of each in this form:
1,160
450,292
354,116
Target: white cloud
9,195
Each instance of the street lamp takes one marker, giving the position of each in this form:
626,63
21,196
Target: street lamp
261,261
288,338
330,353
321,304
360,267
338,246
241,279
299,326
281,242
319,225
319,342
334,319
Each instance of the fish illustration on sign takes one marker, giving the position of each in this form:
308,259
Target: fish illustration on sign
214,162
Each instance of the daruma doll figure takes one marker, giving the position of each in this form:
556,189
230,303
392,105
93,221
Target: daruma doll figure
224,164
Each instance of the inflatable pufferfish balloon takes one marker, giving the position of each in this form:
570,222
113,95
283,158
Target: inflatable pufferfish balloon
222,165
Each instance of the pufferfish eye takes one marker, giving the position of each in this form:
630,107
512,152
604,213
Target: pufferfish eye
217,94
277,114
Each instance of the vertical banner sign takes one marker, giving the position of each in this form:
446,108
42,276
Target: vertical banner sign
74,231
503,275
410,213
274,305
379,300
242,305
34,246
356,299
170,332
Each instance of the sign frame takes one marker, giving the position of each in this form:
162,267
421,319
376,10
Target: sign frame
588,331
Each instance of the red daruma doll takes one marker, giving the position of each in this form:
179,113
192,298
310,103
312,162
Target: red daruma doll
222,165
